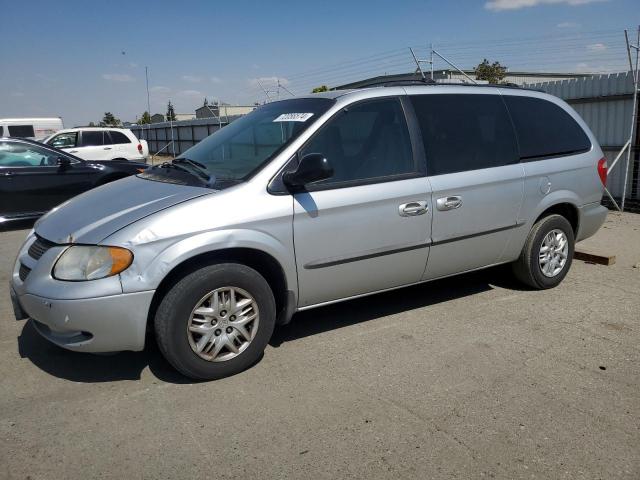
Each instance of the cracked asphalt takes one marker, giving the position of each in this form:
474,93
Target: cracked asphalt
469,377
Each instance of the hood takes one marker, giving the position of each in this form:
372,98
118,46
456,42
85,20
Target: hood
96,214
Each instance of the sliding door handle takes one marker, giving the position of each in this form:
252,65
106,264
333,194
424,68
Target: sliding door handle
448,203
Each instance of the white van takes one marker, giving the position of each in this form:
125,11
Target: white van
33,128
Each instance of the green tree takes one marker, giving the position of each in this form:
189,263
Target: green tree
91,124
491,72
144,119
171,114
109,120
321,88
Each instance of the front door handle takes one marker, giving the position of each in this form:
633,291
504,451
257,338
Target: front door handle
449,203
73,151
107,148
412,209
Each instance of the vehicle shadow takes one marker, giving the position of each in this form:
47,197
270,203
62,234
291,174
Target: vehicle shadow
90,368
364,309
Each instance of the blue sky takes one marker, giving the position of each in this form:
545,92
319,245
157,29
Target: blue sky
80,59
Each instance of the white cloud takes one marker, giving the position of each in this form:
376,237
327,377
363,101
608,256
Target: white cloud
159,90
133,64
189,93
499,5
597,47
268,81
568,25
216,79
118,77
17,94
191,78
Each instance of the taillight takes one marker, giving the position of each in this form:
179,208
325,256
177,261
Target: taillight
602,170
140,149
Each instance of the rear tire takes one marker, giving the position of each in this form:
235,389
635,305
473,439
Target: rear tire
545,260
215,343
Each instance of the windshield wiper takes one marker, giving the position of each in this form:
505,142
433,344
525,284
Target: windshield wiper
197,165
196,169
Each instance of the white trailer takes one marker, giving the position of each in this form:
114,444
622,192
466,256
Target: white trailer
33,128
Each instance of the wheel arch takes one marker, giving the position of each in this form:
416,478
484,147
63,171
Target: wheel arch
566,209
261,261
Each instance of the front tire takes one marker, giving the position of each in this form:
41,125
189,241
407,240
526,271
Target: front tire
547,254
216,321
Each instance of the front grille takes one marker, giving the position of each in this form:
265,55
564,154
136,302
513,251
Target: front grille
39,247
23,272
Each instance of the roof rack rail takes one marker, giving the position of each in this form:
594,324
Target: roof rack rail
429,82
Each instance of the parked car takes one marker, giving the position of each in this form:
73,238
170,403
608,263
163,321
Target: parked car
311,201
35,177
31,128
101,144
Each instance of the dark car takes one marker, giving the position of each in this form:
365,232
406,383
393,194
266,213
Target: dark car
35,177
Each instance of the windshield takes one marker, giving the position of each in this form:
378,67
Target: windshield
241,148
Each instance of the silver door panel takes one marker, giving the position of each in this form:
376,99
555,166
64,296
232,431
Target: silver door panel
354,240
475,216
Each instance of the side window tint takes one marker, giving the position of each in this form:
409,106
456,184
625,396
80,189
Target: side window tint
24,155
118,137
465,132
92,138
1,131
64,140
21,131
365,141
544,129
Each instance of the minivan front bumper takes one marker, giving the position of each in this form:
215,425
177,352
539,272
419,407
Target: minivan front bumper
92,316
102,324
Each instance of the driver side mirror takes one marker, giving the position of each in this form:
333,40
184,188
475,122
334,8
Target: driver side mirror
63,162
313,167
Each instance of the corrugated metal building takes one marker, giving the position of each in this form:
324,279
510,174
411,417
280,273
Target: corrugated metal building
605,102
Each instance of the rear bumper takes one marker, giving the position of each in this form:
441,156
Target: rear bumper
592,216
102,324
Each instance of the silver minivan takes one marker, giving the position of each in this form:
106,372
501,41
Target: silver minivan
310,201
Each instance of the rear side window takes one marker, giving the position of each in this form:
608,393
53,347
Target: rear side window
92,138
465,132
22,131
118,138
544,129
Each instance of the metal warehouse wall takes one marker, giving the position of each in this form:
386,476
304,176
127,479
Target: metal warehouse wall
186,133
605,102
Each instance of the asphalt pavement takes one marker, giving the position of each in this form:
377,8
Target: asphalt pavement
468,377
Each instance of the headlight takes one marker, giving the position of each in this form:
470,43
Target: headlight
81,262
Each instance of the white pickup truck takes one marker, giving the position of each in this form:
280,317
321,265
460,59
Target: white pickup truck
100,143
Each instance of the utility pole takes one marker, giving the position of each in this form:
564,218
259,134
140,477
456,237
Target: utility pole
634,117
431,61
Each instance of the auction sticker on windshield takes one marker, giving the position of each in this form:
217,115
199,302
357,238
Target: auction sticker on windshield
293,117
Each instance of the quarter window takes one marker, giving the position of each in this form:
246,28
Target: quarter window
365,141
118,138
464,132
92,138
544,129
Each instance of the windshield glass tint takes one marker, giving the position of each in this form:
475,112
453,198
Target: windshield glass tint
237,150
